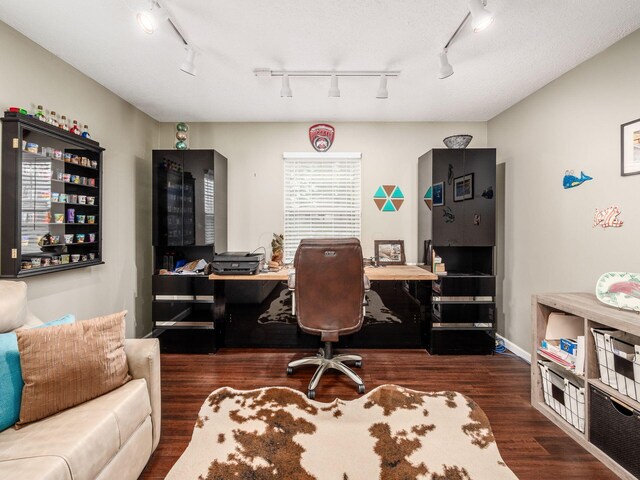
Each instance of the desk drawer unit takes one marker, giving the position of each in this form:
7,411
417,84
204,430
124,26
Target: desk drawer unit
463,315
178,285
467,286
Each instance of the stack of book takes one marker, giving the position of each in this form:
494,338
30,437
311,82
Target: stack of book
566,352
438,265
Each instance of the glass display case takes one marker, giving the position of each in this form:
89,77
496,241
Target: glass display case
51,198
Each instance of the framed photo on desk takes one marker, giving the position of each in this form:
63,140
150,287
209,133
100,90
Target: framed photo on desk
389,252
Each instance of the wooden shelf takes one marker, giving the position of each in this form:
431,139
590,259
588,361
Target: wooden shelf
594,314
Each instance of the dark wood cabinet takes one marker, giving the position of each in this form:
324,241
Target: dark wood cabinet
189,223
189,198
456,219
51,198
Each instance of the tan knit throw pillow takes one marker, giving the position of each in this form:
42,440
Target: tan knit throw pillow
65,365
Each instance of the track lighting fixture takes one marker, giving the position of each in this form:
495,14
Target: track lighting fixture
446,70
480,19
285,90
189,64
334,91
382,88
151,18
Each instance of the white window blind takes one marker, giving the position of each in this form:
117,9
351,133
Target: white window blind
322,198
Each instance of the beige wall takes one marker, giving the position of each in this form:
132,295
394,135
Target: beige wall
571,124
32,75
390,154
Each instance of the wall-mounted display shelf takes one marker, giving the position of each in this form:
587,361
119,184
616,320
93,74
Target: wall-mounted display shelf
611,419
51,198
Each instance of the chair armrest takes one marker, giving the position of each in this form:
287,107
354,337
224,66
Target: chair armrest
367,284
143,356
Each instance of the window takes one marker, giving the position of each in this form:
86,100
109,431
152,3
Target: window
322,197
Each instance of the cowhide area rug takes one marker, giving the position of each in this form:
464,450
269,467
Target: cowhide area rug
391,433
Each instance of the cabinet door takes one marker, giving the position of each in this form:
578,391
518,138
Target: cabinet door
425,214
448,229
167,197
199,195
478,189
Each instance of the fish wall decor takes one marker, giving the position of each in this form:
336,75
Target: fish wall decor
449,216
608,217
570,180
488,193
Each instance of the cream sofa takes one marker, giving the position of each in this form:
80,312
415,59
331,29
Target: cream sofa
108,438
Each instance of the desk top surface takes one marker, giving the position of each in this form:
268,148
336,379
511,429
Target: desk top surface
389,272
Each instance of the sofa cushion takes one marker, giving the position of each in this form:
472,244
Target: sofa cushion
67,365
13,307
11,374
87,437
42,468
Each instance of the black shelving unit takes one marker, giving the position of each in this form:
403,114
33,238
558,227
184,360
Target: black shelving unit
51,198
459,225
189,223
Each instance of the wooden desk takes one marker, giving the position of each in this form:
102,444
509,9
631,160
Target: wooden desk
390,272
254,310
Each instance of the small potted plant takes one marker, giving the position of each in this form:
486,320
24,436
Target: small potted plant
277,251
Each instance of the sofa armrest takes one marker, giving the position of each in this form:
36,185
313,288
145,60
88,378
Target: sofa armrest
143,356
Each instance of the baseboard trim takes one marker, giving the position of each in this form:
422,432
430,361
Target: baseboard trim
512,347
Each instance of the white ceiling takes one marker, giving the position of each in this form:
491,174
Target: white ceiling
529,44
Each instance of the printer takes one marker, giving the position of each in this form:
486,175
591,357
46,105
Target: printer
237,263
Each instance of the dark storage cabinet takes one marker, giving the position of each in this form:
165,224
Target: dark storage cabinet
190,198
189,223
51,198
459,226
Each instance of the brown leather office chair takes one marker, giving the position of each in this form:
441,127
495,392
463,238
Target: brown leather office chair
329,286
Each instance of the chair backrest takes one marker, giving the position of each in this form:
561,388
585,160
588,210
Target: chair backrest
329,286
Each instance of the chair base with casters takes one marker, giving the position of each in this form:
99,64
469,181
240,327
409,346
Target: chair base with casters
325,360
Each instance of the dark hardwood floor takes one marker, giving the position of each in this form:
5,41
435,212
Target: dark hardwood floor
531,446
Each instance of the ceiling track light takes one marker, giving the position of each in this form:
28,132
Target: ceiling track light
285,90
334,90
151,18
189,64
481,18
446,70
382,88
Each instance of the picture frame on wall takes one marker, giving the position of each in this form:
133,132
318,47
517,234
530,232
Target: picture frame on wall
389,252
438,194
463,188
630,147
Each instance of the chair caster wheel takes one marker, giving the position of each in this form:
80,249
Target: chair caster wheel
311,394
289,370
358,364
361,388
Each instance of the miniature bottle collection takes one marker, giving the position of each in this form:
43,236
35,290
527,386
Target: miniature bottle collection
52,119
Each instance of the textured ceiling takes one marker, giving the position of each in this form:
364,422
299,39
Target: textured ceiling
529,44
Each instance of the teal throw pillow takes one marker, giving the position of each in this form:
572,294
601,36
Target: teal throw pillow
11,374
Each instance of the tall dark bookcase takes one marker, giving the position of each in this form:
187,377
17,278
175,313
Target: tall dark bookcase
189,223
458,222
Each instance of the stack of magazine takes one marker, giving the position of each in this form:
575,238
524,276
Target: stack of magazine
572,359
